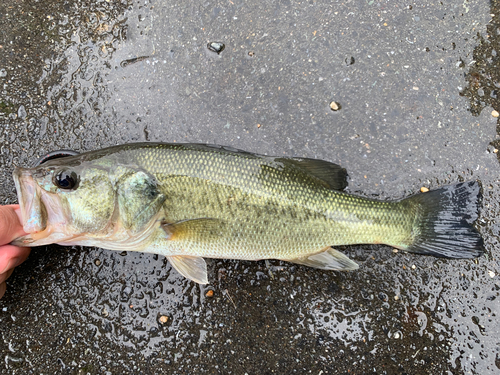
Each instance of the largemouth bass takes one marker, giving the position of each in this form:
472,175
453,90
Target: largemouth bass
189,202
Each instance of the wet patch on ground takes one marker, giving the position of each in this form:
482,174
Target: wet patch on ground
415,87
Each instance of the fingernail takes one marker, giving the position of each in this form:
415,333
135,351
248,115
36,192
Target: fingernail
19,214
20,217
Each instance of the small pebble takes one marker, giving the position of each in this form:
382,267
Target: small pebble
163,319
495,150
423,189
396,298
396,335
495,113
21,112
216,47
334,106
210,293
491,273
413,267
394,251
97,262
251,54
258,125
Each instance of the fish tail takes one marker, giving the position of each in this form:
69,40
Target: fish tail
444,225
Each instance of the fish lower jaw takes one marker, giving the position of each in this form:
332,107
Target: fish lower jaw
119,240
45,237
107,244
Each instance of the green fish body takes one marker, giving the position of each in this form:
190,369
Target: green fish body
189,202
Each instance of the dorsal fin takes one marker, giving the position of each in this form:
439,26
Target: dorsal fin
333,175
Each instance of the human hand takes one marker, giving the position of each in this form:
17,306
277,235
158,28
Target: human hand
10,256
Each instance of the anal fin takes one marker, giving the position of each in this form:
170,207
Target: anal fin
329,259
193,268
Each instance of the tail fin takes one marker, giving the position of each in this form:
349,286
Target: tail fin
446,218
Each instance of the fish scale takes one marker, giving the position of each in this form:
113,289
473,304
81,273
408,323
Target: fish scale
189,201
254,191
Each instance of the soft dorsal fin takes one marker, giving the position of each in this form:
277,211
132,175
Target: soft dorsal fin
332,175
330,259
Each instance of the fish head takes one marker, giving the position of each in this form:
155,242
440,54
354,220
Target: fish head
63,200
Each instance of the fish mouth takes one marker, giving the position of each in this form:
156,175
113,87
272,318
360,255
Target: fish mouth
43,215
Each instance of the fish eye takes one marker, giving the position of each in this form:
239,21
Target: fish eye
66,179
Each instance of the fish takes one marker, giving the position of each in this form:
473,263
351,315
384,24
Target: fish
189,202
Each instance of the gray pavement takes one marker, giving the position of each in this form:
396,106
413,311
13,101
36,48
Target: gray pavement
416,84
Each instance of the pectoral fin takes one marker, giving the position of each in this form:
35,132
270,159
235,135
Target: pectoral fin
193,268
200,230
330,259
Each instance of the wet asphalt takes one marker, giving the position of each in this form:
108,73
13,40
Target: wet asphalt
414,83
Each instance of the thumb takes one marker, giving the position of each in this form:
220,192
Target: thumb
10,224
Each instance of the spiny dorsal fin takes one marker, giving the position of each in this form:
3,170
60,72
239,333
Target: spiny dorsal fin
333,175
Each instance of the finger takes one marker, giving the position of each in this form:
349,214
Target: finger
10,224
6,275
3,286
12,256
